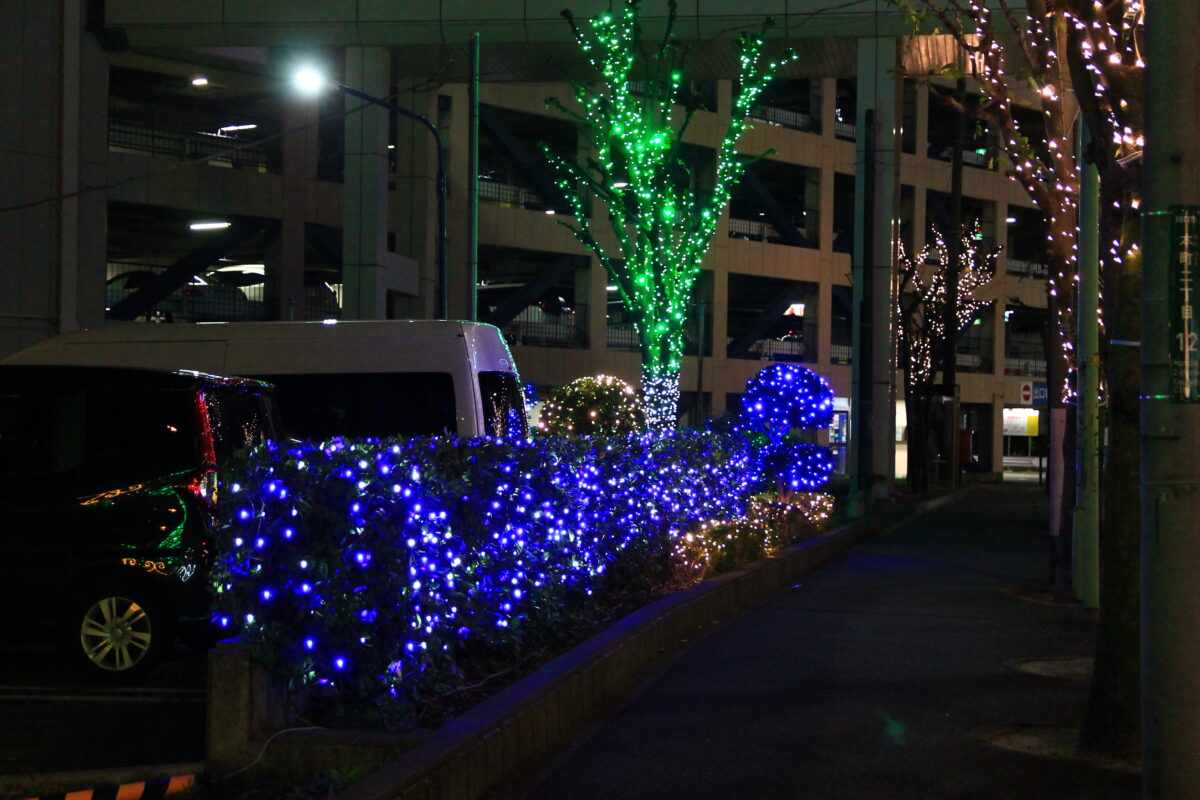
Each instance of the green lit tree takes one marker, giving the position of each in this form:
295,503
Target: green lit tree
635,119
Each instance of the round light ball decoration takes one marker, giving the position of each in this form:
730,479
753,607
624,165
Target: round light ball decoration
801,467
596,404
782,397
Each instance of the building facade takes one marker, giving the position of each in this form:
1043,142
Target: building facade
185,179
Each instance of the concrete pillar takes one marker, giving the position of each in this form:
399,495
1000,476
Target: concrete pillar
872,428
1170,418
285,258
594,283
414,201
922,113
824,325
920,219
828,107
365,209
55,246
718,366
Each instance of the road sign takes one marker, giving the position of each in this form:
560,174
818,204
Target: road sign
1185,331
1027,392
1040,393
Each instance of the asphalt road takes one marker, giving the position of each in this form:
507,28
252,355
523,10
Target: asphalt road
53,720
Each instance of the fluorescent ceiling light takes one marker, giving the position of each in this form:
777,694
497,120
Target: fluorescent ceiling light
549,210
232,128
255,269
611,288
199,80
1010,220
209,226
620,185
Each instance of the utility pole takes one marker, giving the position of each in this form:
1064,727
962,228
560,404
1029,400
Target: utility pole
1170,410
473,184
1086,550
950,307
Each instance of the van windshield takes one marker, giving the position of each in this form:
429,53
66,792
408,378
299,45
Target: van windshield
503,405
360,404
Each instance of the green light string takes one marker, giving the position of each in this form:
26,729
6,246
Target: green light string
662,221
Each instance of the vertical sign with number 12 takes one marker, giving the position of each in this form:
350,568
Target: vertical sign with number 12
1185,333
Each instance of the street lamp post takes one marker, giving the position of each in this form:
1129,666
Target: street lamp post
311,81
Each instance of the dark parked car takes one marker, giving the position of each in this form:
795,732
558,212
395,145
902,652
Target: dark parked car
202,299
107,489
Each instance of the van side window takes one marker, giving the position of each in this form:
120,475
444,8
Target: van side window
503,405
359,404
136,436
25,432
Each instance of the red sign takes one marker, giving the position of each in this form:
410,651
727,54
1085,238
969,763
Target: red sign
1026,392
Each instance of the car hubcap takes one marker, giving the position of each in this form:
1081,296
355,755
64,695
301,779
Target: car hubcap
115,634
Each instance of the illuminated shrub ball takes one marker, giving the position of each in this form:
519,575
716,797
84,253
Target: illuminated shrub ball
600,404
779,399
782,397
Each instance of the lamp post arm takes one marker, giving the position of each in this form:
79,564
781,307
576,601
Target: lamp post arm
442,310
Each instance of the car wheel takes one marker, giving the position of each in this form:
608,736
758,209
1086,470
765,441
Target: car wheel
119,631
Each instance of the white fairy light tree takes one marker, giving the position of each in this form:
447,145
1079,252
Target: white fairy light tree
921,298
1094,49
660,215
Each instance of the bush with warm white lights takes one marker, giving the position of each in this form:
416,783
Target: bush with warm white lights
600,404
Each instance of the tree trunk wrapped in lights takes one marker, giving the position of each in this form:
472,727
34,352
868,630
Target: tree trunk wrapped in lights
1099,45
921,298
661,219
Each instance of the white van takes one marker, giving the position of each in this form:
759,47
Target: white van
359,378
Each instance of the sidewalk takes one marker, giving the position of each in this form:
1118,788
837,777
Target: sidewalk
877,677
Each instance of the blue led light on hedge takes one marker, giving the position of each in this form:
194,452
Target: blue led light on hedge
473,558
785,396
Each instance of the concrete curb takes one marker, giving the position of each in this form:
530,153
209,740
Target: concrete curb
524,723
126,783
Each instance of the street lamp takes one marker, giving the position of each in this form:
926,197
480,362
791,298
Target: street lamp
310,81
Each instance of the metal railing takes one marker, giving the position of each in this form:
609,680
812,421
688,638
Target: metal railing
981,160
1025,358
790,350
165,131
1033,269
536,328
784,117
623,336
510,194
845,130
759,231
